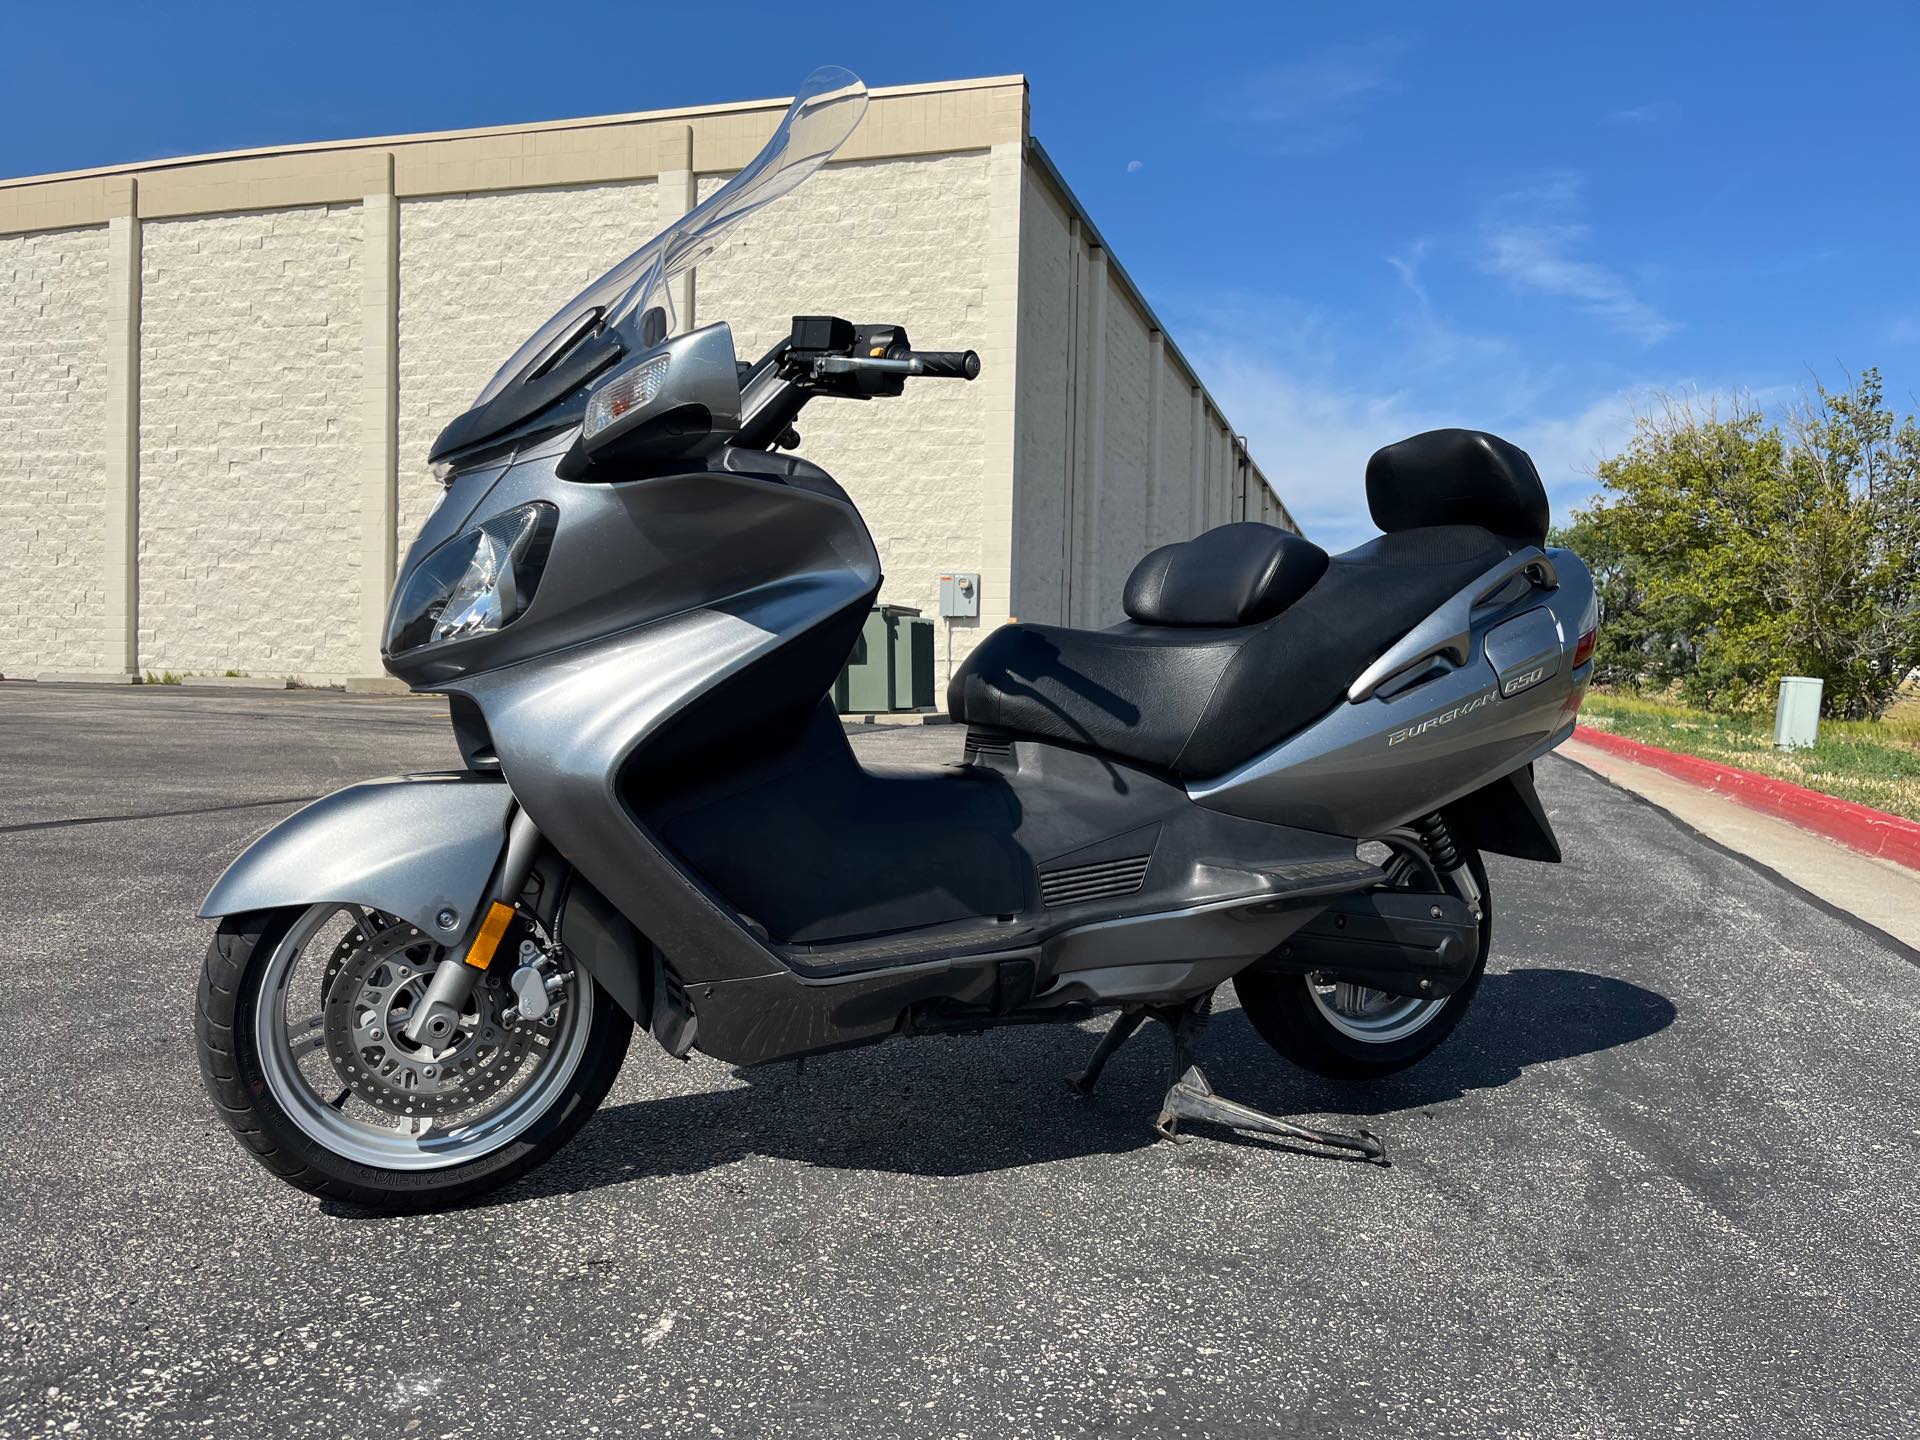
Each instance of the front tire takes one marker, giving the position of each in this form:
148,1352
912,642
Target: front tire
255,1077
1306,1024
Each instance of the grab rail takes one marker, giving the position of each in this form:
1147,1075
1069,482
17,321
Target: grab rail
1449,629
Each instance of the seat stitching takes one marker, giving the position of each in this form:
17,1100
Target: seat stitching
1194,729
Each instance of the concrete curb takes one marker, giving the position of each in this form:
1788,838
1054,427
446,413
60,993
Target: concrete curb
1858,827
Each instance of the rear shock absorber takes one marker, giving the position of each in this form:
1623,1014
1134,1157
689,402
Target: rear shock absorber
1448,861
1438,839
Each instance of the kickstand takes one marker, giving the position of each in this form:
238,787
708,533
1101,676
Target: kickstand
1190,1097
1118,1033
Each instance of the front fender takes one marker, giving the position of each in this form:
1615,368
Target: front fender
419,847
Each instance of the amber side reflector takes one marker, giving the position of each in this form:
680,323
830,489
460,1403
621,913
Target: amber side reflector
499,916
1583,647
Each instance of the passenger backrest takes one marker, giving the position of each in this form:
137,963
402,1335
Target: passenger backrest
1232,575
1457,477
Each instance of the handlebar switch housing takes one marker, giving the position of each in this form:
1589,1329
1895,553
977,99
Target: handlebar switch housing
821,335
816,337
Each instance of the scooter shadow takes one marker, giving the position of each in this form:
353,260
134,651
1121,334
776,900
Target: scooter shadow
962,1105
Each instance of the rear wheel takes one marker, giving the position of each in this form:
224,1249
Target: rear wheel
300,1025
1353,1032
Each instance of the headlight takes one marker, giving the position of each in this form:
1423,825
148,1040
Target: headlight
478,582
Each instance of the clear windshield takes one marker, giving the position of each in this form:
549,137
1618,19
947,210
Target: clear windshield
825,112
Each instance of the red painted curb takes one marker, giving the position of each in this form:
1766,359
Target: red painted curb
1858,827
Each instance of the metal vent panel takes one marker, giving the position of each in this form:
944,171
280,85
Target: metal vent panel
988,744
1098,881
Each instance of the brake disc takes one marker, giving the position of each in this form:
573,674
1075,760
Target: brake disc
370,988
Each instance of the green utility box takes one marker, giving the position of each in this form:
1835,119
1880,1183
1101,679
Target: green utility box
891,667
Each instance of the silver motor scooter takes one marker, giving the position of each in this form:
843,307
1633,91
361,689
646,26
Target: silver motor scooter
1280,769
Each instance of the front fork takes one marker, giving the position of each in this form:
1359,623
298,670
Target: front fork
438,1014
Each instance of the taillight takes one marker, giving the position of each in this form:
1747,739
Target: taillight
1583,647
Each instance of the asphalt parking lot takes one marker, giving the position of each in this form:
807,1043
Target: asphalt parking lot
1661,1181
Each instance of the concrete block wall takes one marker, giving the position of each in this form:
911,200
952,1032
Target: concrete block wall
1127,471
1044,428
1119,448
53,397
249,507
1176,505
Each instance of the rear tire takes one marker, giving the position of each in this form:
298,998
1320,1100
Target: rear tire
229,1043
1284,1012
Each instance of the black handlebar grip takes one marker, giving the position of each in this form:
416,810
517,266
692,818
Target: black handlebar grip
948,364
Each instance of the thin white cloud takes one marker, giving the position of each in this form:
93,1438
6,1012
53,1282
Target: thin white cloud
1567,449
1654,112
1533,240
1302,390
1407,267
1313,104
1433,345
1313,439
1905,330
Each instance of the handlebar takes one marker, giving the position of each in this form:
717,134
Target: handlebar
948,364
934,364
819,358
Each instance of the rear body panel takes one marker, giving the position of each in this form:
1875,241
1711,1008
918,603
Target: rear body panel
1366,767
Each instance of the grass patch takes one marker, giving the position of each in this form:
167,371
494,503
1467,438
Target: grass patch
1870,762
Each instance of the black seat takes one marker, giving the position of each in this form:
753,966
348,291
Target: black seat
1244,635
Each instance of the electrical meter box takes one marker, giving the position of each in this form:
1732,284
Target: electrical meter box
959,596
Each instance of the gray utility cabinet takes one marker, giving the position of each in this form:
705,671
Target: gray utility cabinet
891,667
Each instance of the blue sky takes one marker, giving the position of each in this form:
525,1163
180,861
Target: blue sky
1358,221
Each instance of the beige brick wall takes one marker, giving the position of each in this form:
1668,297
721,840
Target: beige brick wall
1173,507
902,241
250,364
53,369
1043,411
1128,468
269,389
480,273
1093,521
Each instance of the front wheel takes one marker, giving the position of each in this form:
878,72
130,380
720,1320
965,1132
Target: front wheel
1352,1032
300,1027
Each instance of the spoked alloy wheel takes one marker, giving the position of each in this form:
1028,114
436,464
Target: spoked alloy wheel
347,1075
1373,1017
302,1021
1348,1031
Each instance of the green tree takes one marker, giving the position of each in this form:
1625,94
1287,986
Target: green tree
1642,639
1853,588
1732,550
